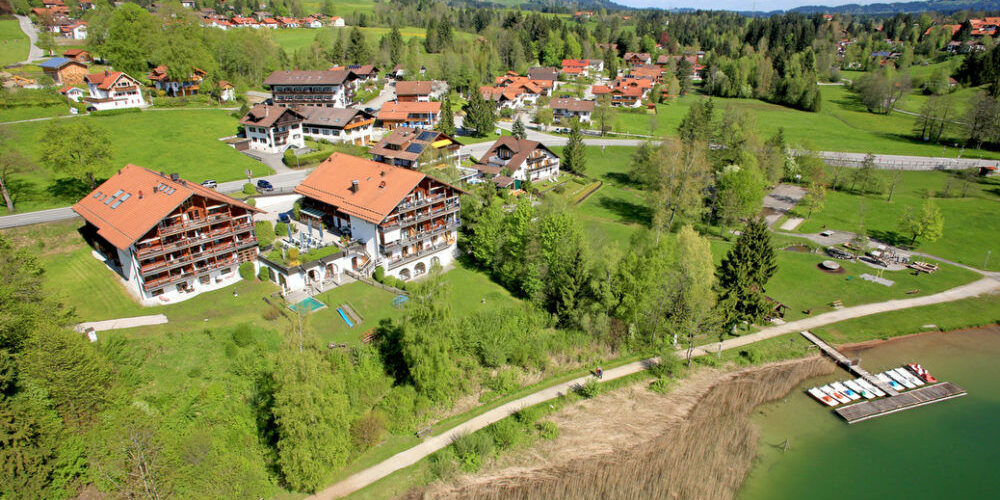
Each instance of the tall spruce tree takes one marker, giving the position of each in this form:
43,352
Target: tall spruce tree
517,130
744,272
447,122
574,158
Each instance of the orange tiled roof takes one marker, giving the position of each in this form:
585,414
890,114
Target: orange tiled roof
105,79
402,110
380,187
143,208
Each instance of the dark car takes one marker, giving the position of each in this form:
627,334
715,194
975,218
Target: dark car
285,217
370,110
210,184
264,186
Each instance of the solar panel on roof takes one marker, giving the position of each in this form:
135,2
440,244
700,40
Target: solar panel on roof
415,148
426,136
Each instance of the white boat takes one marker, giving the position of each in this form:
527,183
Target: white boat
822,398
902,380
856,387
871,387
845,391
836,395
903,372
892,383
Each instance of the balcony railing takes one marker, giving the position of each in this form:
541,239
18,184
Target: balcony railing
449,207
191,224
188,259
419,236
423,252
166,280
187,242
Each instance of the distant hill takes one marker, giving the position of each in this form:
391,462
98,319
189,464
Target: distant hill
546,5
904,7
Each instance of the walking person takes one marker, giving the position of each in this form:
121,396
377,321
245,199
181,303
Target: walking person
599,372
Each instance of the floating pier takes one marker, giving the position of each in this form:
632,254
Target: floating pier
895,402
910,399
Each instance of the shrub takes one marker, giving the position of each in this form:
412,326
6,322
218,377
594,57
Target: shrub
400,406
560,189
243,335
280,229
246,270
472,448
271,313
114,112
297,208
293,256
264,232
231,350
249,188
442,464
669,364
547,430
751,355
506,433
529,415
590,389
367,430
288,157
264,274
505,381
252,202
379,274
660,385
307,159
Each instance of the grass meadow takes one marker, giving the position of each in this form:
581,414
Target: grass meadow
13,42
182,141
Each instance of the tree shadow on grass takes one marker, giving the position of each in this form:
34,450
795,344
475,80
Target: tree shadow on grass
67,189
891,237
626,210
21,190
621,179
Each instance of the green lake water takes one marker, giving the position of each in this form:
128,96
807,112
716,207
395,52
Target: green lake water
949,449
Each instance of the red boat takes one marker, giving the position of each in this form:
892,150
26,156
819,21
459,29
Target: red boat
920,372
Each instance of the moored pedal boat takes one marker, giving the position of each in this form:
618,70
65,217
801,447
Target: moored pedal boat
892,383
841,388
922,373
856,387
871,387
835,394
901,380
903,372
821,397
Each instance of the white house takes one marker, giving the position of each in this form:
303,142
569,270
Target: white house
72,93
312,22
347,125
113,90
565,108
226,91
522,158
165,238
337,22
75,31
273,129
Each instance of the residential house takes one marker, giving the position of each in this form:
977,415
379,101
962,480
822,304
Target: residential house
312,22
337,22
78,55
270,23
288,22
347,125
409,114
649,72
362,73
245,22
273,129
167,238
415,148
174,87
188,4
311,88
575,67
522,159
503,97
543,73
566,109
636,58
64,71
226,91
414,91
397,218
75,30
72,93
113,90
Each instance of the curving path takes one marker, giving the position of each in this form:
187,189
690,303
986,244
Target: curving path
430,445
34,52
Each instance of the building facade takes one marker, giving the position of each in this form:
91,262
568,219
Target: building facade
522,159
565,109
273,129
167,238
330,89
347,125
409,114
173,87
64,71
113,90
416,148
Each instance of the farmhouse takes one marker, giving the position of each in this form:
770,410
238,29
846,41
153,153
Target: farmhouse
637,58
273,129
167,238
337,124
396,218
113,90
311,88
409,114
64,71
566,108
226,91
415,148
543,73
176,87
522,159
416,91
78,55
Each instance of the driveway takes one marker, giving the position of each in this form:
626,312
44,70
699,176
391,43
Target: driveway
780,201
34,52
387,94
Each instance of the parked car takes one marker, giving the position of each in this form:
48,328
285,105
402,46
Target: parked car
264,186
210,184
371,110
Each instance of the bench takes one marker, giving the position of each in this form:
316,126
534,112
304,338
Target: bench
423,432
368,336
837,304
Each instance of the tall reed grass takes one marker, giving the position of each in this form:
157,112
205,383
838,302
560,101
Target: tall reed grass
706,457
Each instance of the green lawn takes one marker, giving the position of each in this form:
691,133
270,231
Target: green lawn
31,112
182,141
843,124
970,224
297,38
13,42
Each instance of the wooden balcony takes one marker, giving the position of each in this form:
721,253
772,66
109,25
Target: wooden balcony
419,236
422,252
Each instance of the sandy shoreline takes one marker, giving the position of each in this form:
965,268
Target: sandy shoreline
868,344
619,433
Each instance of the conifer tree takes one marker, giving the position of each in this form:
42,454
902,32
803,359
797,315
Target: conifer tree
574,158
447,122
518,129
744,272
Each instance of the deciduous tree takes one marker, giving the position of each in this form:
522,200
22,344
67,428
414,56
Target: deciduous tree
77,148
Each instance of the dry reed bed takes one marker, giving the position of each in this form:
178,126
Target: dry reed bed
705,455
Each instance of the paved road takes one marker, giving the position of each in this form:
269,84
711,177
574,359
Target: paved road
34,52
430,445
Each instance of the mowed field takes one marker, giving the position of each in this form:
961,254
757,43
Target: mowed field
181,141
842,124
13,42
297,38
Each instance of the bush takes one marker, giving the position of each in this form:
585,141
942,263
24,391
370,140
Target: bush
402,408
249,188
367,430
442,464
660,385
471,449
379,274
297,208
547,430
751,355
669,364
529,415
243,335
115,112
252,202
307,159
506,433
246,270
590,389
560,189
280,229
264,232
264,274
271,313
506,380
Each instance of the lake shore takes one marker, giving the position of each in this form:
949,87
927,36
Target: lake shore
696,441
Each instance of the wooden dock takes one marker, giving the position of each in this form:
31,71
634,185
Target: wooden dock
848,365
926,395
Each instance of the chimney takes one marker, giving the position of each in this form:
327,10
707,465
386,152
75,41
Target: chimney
383,173
174,177
155,189
140,194
107,72
355,185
